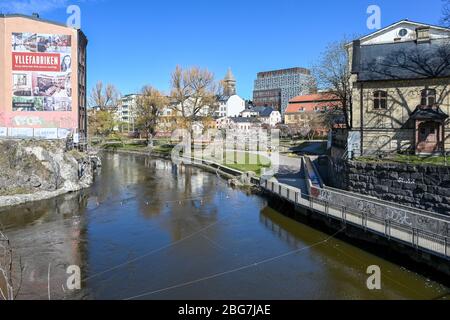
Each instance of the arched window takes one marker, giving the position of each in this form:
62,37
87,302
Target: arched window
428,97
380,100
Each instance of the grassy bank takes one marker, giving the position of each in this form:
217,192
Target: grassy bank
243,161
238,160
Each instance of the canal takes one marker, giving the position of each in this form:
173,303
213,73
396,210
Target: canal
150,230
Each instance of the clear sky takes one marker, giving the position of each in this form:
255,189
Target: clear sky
137,42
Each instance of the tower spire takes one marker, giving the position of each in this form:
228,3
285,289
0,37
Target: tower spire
229,84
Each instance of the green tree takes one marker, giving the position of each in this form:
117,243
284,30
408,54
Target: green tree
149,106
101,123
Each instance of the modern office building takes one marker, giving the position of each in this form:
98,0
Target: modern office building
42,78
275,88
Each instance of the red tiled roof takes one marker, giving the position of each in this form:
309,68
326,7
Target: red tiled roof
308,103
315,97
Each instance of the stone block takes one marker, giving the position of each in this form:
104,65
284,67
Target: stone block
431,198
404,175
393,175
443,191
431,169
382,189
421,188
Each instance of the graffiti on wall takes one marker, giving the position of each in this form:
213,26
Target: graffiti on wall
382,211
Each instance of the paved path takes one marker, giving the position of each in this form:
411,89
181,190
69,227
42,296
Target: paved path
291,173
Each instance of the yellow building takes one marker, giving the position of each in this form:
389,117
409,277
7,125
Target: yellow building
400,100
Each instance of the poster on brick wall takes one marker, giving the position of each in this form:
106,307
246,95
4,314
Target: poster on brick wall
41,72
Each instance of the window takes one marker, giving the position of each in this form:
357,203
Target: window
428,97
423,34
380,100
402,32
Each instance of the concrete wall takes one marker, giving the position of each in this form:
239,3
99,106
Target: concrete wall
424,187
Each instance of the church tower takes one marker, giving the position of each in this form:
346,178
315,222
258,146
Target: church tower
229,84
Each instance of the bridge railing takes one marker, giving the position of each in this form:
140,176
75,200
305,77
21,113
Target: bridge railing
416,235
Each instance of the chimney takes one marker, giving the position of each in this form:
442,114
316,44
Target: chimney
423,34
356,56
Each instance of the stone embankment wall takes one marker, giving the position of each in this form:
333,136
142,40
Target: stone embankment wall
421,186
33,170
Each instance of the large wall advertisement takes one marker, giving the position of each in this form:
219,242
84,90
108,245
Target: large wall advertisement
41,72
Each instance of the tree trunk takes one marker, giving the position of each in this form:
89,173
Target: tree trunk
150,141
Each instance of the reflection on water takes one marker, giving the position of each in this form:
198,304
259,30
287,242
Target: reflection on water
148,229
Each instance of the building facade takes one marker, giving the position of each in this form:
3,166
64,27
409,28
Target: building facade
310,110
126,112
42,79
230,105
244,126
275,88
266,115
401,101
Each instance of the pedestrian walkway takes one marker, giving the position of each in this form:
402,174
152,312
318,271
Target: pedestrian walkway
422,230
291,173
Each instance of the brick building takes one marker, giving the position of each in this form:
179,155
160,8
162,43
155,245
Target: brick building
42,78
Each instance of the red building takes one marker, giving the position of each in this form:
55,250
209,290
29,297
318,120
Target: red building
318,111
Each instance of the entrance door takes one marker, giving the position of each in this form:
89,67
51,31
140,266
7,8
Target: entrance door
428,137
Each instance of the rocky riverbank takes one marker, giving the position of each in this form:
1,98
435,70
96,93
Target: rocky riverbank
37,170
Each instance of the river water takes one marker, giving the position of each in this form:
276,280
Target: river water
151,230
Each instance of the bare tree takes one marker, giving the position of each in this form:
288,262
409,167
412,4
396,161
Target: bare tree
330,117
148,109
104,97
333,73
104,100
194,93
416,62
445,20
8,290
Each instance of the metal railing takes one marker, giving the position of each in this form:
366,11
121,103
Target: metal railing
425,240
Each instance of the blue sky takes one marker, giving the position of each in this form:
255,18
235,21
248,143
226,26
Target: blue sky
139,42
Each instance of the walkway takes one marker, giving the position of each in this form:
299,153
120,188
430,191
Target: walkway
422,230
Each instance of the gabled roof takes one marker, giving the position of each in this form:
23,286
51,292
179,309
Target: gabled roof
325,96
264,112
309,103
395,24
